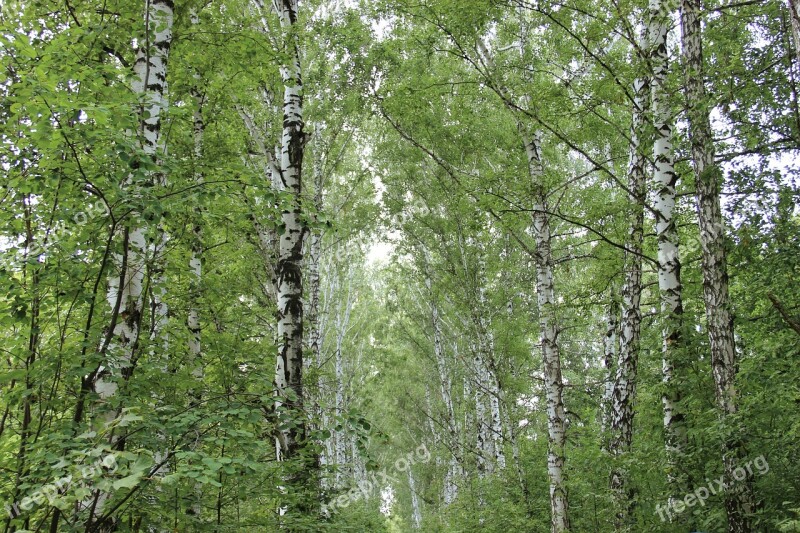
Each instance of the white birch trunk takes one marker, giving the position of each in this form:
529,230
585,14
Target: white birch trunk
708,179
510,431
125,288
551,358
340,459
669,266
624,392
493,386
289,269
416,512
470,420
610,347
545,296
484,440
314,256
195,261
454,471
314,322
196,271
487,374
342,325
267,236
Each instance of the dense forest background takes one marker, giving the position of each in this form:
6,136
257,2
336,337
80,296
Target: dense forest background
394,265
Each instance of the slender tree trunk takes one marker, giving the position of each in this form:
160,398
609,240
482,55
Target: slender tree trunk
454,472
196,273
289,269
489,378
125,289
314,292
30,272
267,241
314,256
511,432
610,348
416,511
483,445
624,392
343,310
291,442
545,295
196,260
708,179
551,357
125,292
669,265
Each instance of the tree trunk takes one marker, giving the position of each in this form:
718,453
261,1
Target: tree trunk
196,260
125,290
708,179
551,358
489,373
196,273
624,392
289,268
454,473
669,265
314,319
484,441
416,512
343,310
545,295
610,348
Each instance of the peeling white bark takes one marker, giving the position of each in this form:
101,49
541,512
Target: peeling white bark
624,391
610,347
708,181
289,269
551,357
125,288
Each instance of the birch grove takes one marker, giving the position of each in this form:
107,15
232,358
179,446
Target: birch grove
399,266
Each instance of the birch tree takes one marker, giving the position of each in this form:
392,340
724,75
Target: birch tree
719,320
624,389
669,264
454,470
545,295
551,356
610,348
289,267
125,289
